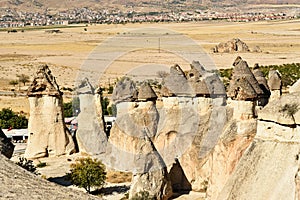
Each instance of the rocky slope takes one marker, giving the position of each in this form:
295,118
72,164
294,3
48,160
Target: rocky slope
17,183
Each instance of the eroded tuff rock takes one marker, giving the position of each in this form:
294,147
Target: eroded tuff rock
134,122
156,179
274,81
269,168
130,147
275,84
285,110
205,83
243,85
17,183
234,45
125,90
90,134
48,135
295,87
200,140
6,146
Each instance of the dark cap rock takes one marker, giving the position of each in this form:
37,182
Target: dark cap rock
125,91
44,83
242,71
85,87
176,83
146,93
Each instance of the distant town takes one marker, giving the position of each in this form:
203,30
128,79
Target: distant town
11,18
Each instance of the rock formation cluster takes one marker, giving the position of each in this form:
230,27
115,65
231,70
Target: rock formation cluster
190,135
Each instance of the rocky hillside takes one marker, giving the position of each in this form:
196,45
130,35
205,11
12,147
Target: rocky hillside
17,183
136,4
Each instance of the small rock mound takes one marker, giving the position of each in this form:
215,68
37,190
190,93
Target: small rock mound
234,45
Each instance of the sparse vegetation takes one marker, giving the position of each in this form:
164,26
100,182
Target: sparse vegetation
87,173
23,78
290,72
13,82
27,164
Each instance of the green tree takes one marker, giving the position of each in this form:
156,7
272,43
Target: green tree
71,107
87,173
23,78
290,110
9,118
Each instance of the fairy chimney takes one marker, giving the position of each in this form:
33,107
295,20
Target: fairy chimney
48,135
90,134
244,91
243,85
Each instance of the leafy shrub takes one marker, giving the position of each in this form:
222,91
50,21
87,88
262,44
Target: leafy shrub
27,164
87,173
10,119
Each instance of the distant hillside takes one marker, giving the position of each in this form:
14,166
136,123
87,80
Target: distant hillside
142,5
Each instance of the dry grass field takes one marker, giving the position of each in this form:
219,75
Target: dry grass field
108,51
